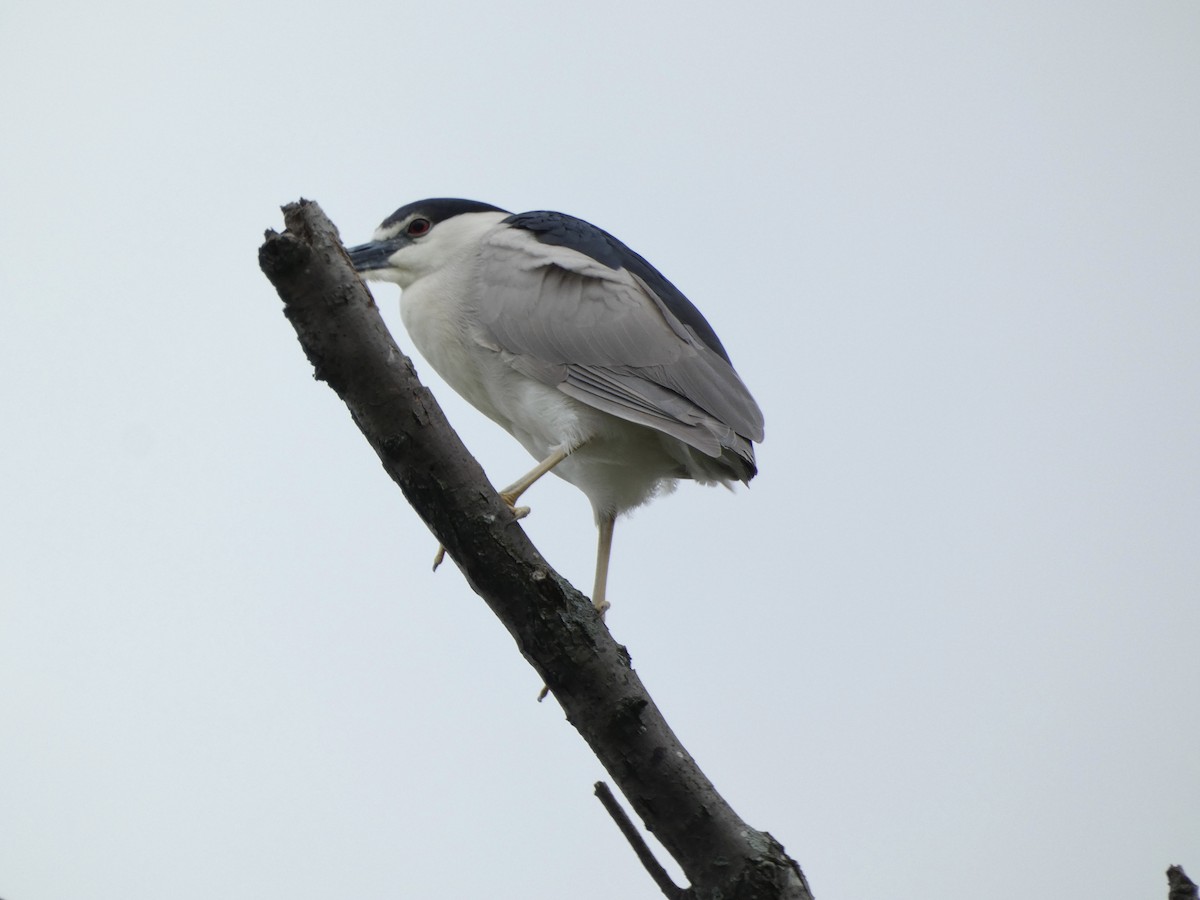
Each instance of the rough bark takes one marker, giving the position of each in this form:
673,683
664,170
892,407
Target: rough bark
1179,886
553,624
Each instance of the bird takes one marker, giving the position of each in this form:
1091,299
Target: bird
574,344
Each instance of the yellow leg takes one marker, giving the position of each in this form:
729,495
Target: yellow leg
603,553
512,493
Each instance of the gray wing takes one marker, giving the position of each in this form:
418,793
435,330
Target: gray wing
603,336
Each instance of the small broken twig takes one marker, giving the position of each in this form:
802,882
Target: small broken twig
639,845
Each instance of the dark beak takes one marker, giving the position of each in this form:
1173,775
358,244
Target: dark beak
374,255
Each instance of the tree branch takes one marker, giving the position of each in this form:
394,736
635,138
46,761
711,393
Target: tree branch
553,624
644,854
1180,887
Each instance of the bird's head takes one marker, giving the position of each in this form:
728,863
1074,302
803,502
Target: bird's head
423,237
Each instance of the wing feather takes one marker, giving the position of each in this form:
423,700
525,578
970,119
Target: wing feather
604,337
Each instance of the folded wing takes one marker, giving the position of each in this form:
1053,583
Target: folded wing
583,313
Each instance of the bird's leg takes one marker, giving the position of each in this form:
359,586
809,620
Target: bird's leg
603,552
512,493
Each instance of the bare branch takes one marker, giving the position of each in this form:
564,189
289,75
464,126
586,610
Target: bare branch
639,845
555,627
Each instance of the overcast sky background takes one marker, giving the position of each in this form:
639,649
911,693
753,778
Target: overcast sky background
945,643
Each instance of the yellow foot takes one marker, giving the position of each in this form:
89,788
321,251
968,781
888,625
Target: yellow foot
519,512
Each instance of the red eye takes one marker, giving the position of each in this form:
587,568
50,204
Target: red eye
418,227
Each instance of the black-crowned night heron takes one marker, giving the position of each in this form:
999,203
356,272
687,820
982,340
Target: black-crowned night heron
575,345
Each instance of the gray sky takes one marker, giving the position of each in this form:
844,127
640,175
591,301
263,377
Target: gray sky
947,637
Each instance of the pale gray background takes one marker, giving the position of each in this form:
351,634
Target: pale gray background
946,642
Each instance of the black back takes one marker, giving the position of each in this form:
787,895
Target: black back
561,230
